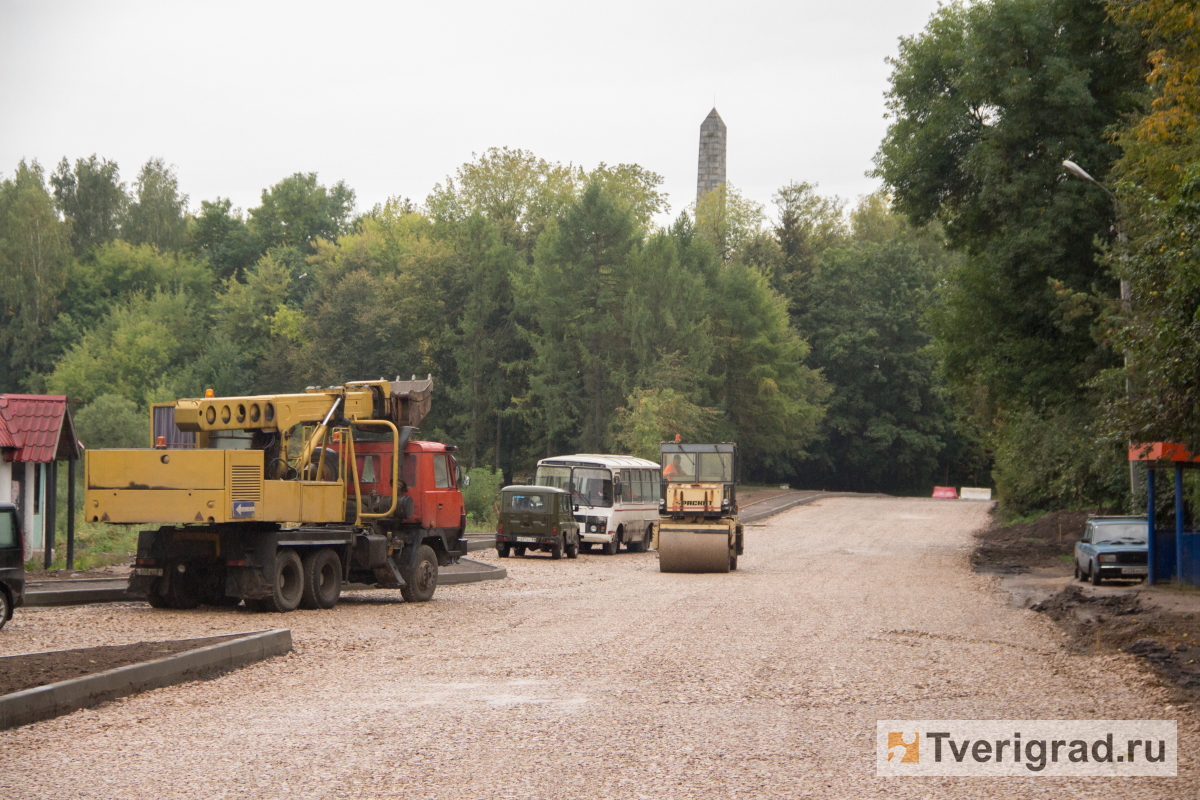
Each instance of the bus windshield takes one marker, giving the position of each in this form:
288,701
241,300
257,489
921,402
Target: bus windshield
588,486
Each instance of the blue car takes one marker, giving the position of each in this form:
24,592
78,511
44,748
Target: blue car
1112,547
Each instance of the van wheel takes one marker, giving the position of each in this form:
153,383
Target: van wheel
502,549
5,608
421,581
322,579
288,583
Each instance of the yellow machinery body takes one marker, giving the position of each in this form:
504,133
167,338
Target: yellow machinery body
202,486
698,530
213,486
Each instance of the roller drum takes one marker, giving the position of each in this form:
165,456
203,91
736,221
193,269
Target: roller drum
693,550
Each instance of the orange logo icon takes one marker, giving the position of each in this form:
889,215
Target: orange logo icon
903,747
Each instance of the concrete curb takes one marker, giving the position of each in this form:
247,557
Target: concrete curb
484,572
43,594
55,699
763,514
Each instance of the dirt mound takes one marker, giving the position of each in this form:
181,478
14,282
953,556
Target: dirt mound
1045,542
1168,641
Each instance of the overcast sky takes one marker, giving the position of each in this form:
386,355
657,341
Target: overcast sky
393,96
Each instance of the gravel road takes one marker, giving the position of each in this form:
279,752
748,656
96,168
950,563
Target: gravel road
603,678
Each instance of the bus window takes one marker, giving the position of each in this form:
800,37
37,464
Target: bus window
643,489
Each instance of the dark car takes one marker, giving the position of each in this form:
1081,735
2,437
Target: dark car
1112,547
12,562
537,518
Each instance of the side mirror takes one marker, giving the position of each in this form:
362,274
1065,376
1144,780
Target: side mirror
575,508
466,481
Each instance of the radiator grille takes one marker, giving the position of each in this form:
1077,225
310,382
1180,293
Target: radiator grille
1132,558
245,482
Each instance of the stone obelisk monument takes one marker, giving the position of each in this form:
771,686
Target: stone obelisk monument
711,173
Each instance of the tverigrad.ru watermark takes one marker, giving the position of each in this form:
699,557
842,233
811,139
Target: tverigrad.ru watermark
1025,747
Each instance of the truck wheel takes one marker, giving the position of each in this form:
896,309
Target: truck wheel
288,582
502,549
420,583
322,579
154,597
5,608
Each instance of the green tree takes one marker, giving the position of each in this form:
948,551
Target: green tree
652,416
93,198
157,215
112,421
770,400
862,308
34,259
575,297
220,236
728,220
986,104
297,211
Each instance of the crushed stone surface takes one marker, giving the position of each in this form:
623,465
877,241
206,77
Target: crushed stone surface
603,678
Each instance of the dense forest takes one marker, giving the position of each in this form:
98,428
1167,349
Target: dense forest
963,326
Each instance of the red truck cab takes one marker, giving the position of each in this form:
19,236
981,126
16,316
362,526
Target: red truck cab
430,477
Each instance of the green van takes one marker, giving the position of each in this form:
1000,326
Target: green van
537,518
12,562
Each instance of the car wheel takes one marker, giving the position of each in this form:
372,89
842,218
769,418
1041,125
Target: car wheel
288,583
556,549
1094,573
502,549
1078,574
5,608
420,583
322,579
573,547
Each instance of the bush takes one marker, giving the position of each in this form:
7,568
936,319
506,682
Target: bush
482,497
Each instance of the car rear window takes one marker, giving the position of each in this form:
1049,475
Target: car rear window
1130,532
533,502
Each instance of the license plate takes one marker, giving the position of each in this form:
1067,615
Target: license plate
148,572
1135,570
526,539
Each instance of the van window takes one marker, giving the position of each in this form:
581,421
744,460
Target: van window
8,529
441,472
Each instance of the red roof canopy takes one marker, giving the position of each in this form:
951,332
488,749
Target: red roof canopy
1161,451
39,426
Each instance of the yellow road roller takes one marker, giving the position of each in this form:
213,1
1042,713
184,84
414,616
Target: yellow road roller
697,529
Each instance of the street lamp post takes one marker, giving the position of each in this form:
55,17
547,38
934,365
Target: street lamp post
1126,287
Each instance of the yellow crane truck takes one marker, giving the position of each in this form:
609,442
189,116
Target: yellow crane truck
279,500
698,529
